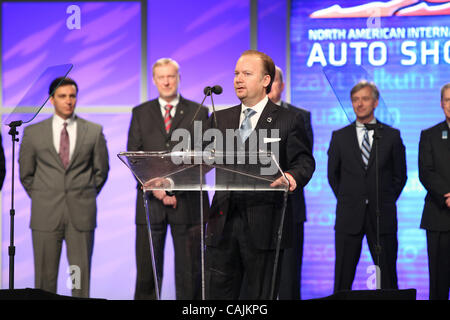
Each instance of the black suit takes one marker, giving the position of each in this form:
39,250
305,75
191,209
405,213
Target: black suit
147,133
290,282
242,228
2,164
355,190
434,173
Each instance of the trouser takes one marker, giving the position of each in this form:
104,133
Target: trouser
348,251
47,252
438,245
186,241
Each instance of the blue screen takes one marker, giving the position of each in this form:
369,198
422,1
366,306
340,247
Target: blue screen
404,47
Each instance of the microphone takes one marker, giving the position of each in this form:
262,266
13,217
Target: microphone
210,90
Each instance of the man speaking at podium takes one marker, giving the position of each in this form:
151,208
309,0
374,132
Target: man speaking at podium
242,228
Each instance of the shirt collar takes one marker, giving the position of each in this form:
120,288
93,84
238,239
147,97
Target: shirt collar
361,125
59,121
173,103
259,107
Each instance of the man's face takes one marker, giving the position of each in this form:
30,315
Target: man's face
364,104
166,80
445,103
249,81
277,88
64,101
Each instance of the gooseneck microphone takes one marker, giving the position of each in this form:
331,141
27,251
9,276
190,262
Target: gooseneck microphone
208,91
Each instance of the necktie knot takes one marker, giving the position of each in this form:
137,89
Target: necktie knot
249,112
168,108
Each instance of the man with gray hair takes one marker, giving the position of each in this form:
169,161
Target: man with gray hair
290,282
434,173
151,128
352,174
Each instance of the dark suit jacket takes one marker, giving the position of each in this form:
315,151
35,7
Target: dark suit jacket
53,189
434,173
2,164
147,133
297,198
354,186
263,209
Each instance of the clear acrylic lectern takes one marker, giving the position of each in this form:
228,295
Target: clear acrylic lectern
204,171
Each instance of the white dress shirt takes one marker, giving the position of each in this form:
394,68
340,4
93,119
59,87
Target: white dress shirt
57,126
361,130
173,103
259,107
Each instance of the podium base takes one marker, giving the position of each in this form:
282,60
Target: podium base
34,294
381,294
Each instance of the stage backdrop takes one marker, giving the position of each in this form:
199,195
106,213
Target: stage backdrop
404,46
112,45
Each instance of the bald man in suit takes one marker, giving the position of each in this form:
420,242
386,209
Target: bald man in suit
63,167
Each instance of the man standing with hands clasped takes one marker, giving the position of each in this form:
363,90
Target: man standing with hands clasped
63,166
434,173
352,177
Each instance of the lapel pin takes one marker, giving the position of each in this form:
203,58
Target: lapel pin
181,111
444,134
269,119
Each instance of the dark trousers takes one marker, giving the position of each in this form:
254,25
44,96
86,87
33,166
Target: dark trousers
235,256
186,242
438,245
291,268
348,251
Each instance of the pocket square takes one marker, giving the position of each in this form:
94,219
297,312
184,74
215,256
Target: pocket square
270,140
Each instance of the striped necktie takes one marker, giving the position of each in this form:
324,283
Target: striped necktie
365,148
168,117
246,125
64,146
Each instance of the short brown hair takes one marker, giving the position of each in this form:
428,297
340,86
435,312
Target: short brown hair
268,65
364,84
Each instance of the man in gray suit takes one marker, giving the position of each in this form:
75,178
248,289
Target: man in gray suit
290,282
63,166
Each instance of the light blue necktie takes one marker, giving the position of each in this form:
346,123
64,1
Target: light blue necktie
246,126
365,148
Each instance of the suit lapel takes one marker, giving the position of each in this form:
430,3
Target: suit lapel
156,116
268,116
354,144
48,138
179,114
81,133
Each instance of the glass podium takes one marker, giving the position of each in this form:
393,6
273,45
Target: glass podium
201,171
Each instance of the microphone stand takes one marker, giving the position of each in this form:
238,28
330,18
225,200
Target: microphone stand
376,137
12,249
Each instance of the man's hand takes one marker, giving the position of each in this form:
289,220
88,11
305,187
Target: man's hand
447,199
170,201
282,181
